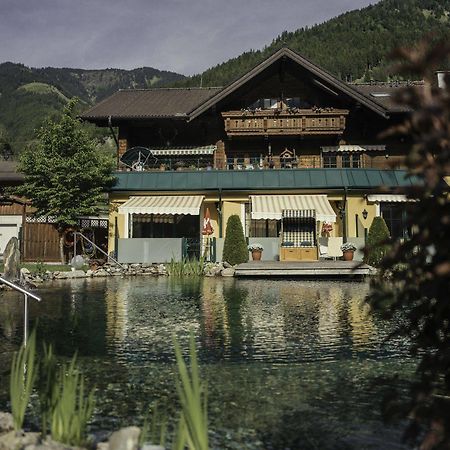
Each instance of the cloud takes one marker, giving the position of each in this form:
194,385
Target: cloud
178,35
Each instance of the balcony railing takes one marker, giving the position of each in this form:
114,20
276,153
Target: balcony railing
318,121
232,163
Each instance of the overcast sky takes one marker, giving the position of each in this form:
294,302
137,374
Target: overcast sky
185,36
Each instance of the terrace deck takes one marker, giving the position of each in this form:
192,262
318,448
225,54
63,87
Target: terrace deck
308,269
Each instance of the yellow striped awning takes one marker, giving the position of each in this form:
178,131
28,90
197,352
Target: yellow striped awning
163,204
388,198
272,206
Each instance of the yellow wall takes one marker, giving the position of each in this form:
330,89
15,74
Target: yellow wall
356,205
233,204
228,209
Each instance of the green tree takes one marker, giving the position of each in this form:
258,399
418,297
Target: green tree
414,277
377,242
65,176
235,248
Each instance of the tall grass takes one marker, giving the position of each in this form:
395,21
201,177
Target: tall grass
47,386
186,267
154,430
72,409
193,426
23,375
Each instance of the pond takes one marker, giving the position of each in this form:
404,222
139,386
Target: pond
289,364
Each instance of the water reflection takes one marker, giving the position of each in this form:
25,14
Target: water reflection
297,357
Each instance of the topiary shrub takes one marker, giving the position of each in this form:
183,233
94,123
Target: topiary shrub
376,246
235,248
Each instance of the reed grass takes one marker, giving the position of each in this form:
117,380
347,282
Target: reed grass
154,430
72,409
192,393
186,267
23,375
47,386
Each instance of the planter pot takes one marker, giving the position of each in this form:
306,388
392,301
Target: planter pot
348,255
256,255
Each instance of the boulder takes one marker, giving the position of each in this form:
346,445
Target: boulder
75,274
125,439
11,260
228,272
101,273
226,265
6,422
18,441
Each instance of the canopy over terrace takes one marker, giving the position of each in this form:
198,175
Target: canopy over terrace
160,206
163,204
272,206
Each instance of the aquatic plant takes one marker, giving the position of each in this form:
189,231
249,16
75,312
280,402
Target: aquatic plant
72,408
47,385
193,425
186,267
23,375
154,430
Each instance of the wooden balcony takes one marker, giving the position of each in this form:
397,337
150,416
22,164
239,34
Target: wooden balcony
319,121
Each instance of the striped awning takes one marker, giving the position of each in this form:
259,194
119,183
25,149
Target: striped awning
354,148
388,198
272,206
177,151
164,204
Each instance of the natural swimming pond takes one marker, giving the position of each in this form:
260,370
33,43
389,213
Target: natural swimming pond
289,364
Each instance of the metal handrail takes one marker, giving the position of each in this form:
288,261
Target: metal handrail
26,294
75,233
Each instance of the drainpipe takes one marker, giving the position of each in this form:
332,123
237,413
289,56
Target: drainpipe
344,216
112,132
219,212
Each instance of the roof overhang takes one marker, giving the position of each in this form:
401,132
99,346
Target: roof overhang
322,77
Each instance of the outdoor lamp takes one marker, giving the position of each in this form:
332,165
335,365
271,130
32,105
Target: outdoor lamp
365,214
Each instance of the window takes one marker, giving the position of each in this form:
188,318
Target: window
350,160
329,160
260,227
395,217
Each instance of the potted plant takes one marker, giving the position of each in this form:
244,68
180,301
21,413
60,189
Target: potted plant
348,250
256,250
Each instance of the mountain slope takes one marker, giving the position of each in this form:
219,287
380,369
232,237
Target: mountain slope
28,96
352,46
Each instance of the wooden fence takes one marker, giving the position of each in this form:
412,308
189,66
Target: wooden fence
40,242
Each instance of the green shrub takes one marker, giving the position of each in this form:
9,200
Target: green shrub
23,374
235,248
377,238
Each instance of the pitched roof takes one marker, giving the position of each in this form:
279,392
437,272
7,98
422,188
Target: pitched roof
261,180
324,78
188,103
384,93
150,103
8,171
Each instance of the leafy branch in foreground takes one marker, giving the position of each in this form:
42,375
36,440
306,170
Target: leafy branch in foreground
418,269
23,375
193,425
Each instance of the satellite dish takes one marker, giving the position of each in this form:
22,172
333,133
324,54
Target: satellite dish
138,158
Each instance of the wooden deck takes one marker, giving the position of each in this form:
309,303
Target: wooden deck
308,269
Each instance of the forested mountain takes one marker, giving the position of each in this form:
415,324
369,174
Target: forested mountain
353,46
29,95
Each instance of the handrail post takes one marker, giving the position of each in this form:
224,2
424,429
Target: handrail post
26,294
25,319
